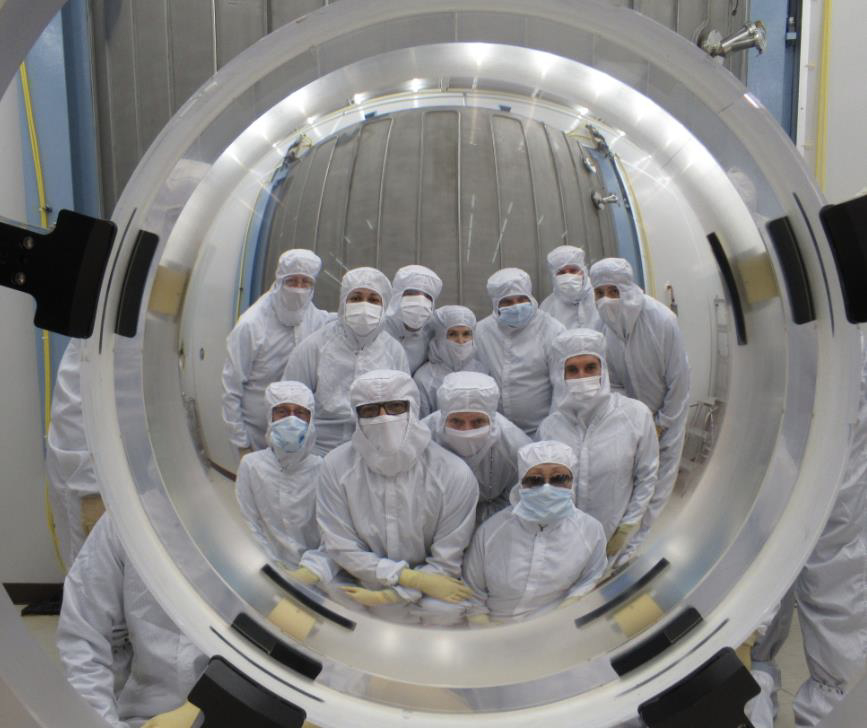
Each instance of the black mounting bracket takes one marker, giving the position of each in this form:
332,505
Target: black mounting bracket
714,696
228,699
61,269
846,227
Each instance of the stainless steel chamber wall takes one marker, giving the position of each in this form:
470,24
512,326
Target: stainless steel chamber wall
465,191
149,58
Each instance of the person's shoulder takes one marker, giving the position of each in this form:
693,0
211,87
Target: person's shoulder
341,458
659,311
589,526
629,406
510,431
488,323
498,524
446,464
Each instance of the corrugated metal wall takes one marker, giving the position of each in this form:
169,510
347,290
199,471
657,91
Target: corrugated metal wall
463,191
151,55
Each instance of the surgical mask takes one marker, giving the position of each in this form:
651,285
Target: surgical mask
544,504
570,285
288,434
609,310
517,315
385,432
467,442
294,299
415,310
584,389
461,351
362,317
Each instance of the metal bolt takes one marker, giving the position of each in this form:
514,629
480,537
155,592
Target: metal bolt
20,279
28,243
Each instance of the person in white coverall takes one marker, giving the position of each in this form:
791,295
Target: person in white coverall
831,594
261,342
541,550
103,595
452,349
571,302
395,510
647,360
330,360
74,488
513,342
276,487
415,290
612,435
469,425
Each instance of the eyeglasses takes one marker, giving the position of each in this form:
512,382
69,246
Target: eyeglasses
533,481
397,407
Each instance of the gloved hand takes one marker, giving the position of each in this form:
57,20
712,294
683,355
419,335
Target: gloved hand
303,574
182,717
244,451
372,597
481,620
434,585
745,651
619,538
660,431
92,509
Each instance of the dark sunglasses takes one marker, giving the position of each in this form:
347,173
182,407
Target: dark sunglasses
533,481
397,407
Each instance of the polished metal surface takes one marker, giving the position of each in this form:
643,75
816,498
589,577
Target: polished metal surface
721,542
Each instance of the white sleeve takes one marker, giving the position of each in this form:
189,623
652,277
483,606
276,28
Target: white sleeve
644,472
597,561
92,610
340,539
240,354
303,364
456,523
249,509
474,574
676,400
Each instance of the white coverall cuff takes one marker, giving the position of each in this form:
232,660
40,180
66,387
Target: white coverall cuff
407,594
319,564
388,571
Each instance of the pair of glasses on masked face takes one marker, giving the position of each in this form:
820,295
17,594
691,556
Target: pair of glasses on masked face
396,407
534,481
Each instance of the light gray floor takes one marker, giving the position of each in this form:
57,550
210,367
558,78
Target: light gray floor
790,660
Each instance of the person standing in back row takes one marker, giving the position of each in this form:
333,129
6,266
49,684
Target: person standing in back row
646,359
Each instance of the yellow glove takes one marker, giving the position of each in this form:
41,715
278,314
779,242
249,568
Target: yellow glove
745,651
619,538
482,620
437,586
660,431
372,597
182,717
244,451
92,508
303,574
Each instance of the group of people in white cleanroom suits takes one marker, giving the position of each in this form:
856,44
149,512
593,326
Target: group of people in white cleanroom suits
430,467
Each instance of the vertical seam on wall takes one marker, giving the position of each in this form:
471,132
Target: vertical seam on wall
459,201
382,188
342,245
322,197
562,192
822,122
536,225
214,35
499,250
170,57
420,188
135,94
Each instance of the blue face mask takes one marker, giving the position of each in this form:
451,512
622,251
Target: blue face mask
288,435
544,504
518,314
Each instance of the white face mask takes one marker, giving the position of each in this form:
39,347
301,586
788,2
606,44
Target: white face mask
570,285
385,432
294,299
461,351
584,389
609,310
467,442
362,317
415,310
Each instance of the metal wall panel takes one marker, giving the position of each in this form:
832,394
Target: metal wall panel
463,191
151,55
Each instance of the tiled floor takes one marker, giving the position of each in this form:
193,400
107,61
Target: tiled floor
790,660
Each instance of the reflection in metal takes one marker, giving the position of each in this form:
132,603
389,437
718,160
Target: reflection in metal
150,57
464,191
598,137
